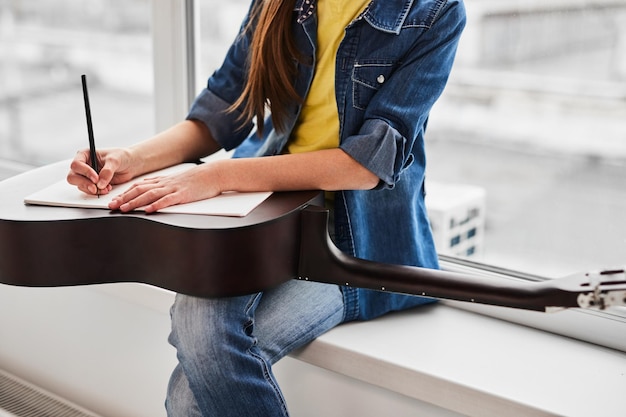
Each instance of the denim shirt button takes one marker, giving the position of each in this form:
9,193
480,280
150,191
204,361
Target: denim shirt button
380,79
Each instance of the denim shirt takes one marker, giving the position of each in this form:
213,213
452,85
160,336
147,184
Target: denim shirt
391,67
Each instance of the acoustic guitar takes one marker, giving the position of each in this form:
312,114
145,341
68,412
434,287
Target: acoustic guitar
284,238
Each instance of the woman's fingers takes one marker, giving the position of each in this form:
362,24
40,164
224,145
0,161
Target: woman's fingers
142,194
155,193
115,169
82,175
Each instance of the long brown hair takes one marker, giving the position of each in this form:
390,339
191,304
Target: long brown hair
271,65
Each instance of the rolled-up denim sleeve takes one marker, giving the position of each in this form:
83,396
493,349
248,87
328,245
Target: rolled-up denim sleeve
381,149
391,137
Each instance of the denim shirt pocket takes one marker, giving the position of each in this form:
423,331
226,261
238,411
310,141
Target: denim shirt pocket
368,76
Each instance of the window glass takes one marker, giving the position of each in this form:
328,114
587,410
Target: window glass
527,146
45,47
219,24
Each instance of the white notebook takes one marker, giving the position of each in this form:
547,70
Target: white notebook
62,194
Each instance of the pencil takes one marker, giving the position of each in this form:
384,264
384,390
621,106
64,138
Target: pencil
92,143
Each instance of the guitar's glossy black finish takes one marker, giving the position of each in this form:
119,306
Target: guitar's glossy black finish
213,256
207,256
321,261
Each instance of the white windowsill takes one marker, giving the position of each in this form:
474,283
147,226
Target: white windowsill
461,361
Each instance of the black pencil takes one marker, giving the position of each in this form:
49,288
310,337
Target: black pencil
92,143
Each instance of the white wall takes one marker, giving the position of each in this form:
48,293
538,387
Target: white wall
96,349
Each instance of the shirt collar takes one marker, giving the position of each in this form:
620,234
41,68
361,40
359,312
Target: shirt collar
385,15
388,15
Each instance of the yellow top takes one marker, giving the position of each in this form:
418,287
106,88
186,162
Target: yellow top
318,125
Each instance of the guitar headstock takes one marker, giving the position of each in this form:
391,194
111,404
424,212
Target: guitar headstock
602,289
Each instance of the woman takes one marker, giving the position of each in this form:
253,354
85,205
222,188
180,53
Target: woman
350,85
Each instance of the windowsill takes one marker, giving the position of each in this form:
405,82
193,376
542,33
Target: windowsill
459,360
475,365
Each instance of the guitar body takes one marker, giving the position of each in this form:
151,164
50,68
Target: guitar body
214,256
208,256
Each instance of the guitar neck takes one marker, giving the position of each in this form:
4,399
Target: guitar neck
321,261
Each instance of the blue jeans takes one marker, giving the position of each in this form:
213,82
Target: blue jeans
226,347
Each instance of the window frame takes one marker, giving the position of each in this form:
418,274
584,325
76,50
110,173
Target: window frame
174,38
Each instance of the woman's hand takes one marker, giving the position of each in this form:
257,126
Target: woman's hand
117,165
329,169
156,193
